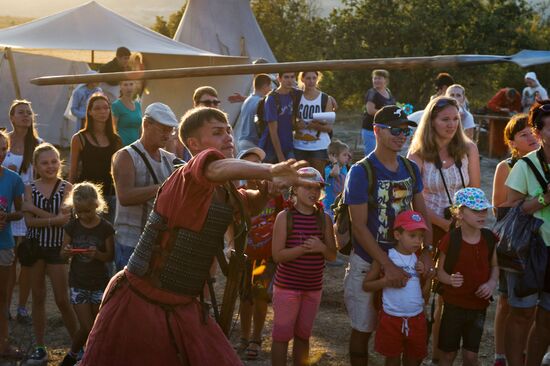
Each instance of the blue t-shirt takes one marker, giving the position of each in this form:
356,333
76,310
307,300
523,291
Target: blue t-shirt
128,122
11,186
334,185
246,125
284,127
393,194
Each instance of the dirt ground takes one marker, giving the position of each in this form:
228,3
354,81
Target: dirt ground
331,330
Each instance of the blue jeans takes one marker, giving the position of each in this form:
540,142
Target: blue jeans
122,255
369,141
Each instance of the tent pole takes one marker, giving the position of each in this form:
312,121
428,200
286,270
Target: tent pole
13,71
93,57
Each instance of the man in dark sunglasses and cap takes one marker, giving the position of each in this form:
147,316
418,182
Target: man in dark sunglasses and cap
396,187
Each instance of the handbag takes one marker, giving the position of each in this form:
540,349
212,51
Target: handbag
28,251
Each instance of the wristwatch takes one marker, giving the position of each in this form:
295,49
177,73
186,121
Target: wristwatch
429,248
541,200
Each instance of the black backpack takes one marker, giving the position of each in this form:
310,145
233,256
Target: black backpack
261,123
342,221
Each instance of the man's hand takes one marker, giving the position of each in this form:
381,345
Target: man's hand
457,279
395,276
285,174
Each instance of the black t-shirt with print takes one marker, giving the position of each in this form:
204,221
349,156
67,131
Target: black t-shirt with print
379,101
87,273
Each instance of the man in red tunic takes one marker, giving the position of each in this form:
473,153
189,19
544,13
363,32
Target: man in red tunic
150,314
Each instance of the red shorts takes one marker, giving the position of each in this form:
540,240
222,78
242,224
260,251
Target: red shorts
396,336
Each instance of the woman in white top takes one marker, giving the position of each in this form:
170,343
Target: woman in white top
458,92
448,161
532,92
311,137
23,139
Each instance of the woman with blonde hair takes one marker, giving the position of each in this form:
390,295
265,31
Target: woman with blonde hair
458,92
448,161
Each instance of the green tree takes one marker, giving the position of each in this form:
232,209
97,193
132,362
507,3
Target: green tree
170,26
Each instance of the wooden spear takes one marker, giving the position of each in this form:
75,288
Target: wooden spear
387,63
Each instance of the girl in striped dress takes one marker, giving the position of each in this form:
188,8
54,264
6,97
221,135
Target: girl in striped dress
45,217
303,238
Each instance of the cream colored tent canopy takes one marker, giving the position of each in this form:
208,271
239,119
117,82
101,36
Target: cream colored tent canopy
74,33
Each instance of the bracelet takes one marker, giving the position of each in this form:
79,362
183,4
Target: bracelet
541,200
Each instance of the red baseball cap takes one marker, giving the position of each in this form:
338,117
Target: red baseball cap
410,220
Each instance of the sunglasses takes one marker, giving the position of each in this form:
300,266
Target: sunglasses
445,102
210,103
396,131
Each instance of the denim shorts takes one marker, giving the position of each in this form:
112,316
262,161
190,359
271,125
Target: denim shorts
80,296
460,324
122,255
542,299
7,256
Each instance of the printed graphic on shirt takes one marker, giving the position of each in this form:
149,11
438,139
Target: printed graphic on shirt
85,241
306,114
399,194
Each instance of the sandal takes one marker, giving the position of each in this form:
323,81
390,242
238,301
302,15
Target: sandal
253,350
242,346
12,353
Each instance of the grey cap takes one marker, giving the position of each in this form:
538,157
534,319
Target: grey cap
162,114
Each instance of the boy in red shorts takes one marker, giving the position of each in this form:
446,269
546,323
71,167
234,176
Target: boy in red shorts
401,330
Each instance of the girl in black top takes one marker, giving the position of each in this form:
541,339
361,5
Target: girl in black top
89,241
377,97
94,146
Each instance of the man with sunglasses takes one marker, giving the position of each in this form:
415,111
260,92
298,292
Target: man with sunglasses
138,171
534,196
398,187
206,96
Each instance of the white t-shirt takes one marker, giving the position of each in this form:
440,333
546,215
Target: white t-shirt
467,119
406,301
310,140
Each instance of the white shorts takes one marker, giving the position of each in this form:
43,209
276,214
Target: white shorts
359,303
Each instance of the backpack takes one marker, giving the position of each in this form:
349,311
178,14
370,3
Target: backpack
342,225
453,252
261,123
260,234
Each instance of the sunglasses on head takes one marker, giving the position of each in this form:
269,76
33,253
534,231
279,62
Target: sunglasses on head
396,131
445,102
210,103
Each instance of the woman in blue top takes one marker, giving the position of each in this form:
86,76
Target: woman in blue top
11,193
127,114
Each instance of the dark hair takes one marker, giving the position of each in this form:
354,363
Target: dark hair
122,51
537,112
511,93
514,125
195,118
261,80
114,138
444,78
203,90
31,137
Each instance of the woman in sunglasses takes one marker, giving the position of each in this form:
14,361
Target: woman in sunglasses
448,161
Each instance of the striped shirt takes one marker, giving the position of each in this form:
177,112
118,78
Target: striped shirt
304,273
48,236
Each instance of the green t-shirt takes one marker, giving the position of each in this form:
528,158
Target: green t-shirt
522,179
129,122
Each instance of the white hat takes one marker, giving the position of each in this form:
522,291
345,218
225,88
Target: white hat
252,150
162,114
531,75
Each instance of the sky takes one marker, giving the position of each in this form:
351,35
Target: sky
141,11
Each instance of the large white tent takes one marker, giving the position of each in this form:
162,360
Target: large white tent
73,35
226,27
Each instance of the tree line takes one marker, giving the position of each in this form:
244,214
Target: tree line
397,28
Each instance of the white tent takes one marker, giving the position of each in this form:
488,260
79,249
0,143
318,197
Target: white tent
73,35
226,27
48,103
